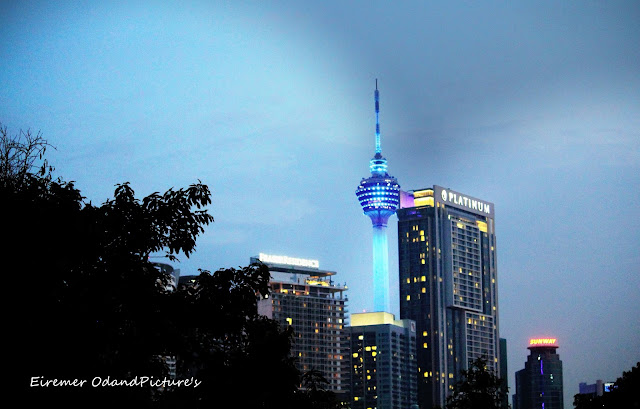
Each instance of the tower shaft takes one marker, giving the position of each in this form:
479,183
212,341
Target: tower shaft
380,269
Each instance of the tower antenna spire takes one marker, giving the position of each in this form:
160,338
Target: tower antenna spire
377,99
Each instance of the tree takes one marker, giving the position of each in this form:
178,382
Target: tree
87,302
316,396
479,389
624,393
242,358
21,154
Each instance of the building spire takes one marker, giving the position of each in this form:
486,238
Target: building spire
377,99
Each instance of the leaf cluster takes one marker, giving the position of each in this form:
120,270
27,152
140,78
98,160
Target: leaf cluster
480,388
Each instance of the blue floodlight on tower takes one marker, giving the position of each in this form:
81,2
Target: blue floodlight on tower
379,196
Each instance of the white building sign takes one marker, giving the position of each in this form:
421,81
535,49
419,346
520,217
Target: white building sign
291,261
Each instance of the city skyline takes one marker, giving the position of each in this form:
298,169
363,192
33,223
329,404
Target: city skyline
270,105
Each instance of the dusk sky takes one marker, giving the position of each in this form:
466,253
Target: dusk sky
534,106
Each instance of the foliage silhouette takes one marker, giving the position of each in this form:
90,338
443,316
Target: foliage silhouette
623,395
88,302
479,389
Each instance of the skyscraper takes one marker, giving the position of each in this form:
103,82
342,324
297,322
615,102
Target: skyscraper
539,384
379,198
306,298
448,285
504,372
383,362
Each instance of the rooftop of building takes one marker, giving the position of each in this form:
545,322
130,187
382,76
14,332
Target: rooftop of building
377,318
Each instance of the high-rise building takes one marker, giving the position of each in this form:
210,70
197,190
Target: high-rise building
379,197
539,384
504,373
383,362
448,285
306,298
595,389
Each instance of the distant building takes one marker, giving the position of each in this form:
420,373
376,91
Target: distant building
504,373
306,298
383,362
539,384
187,280
595,389
169,269
448,285
174,273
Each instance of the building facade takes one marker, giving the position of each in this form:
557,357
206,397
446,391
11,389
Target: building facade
448,285
504,373
595,389
306,298
383,362
539,384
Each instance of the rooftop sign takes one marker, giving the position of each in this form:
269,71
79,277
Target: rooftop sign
543,342
452,198
291,261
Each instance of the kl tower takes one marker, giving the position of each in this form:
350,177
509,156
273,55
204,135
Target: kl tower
379,198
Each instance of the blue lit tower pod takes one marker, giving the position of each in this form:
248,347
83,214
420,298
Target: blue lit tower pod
379,197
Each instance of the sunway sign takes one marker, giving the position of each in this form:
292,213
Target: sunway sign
533,342
449,197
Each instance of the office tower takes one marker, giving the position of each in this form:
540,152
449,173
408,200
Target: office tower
539,384
504,373
448,285
306,298
383,362
379,197
595,389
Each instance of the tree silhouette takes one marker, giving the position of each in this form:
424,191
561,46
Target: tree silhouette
87,302
479,389
624,393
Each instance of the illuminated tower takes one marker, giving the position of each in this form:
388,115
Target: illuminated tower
379,198
539,384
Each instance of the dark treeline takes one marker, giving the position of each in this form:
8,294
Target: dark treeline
624,394
86,302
